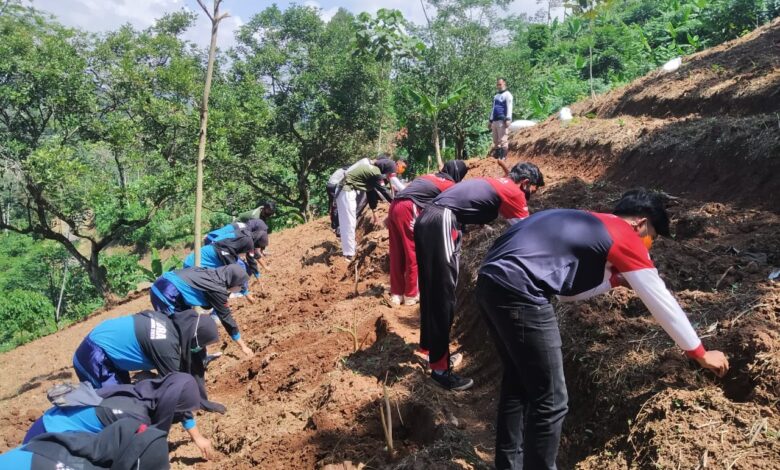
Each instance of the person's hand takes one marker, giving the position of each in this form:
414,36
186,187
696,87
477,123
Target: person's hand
205,447
507,122
247,352
374,219
715,361
250,298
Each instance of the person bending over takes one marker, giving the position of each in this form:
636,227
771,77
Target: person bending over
574,255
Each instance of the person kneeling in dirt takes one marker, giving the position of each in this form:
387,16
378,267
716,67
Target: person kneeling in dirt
158,402
574,255
177,291
400,223
366,177
437,239
127,444
228,250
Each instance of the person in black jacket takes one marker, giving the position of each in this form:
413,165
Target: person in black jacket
127,444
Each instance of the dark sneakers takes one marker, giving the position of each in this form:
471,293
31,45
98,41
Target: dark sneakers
452,381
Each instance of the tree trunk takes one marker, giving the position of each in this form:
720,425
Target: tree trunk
436,144
204,118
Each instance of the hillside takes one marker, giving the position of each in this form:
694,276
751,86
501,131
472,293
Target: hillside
707,134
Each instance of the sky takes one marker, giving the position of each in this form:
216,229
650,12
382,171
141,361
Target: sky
106,15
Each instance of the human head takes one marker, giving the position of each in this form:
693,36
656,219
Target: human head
386,166
235,277
501,84
528,177
456,169
400,166
269,209
205,332
646,212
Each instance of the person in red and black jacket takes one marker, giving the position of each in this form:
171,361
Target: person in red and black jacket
573,255
406,206
437,239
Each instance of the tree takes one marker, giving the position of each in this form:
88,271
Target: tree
383,37
215,18
432,108
324,101
90,131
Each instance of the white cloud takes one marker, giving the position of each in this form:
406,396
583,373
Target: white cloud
325,13
107,15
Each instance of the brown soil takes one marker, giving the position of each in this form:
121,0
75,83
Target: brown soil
309,400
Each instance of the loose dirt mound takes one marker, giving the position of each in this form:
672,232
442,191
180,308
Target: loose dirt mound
710,130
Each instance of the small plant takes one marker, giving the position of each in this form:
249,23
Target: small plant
159,267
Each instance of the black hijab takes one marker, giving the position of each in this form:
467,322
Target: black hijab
214,280
196,331
385,165
120,446
455,170
163,398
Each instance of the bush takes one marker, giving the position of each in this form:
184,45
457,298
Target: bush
24,316
122,273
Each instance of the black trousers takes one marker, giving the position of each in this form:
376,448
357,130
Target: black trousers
332,210
437,246
533,399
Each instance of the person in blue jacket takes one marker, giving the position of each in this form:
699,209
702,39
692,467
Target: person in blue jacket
127,444
147,341
176,291
259,233
228,250
158,402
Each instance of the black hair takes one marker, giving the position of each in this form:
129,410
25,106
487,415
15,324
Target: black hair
529,171
640,202
270,205
501,78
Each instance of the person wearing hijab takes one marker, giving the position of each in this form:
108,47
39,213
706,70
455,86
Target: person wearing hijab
157,402
147,341
228,250
405,208
127,444
366,177
177,291
257,229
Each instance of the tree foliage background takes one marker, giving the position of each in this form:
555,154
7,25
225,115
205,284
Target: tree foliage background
98,132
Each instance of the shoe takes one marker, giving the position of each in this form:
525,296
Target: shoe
451,381
396,299
455,360
412,300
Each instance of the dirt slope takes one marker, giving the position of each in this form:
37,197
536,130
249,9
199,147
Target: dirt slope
309,400
710,130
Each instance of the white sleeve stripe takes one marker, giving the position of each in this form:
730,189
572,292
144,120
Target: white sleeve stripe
664,307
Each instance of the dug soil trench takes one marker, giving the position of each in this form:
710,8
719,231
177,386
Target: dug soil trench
326,337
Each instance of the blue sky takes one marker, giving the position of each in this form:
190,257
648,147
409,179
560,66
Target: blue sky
104,15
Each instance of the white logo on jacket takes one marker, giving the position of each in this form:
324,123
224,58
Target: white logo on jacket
157,330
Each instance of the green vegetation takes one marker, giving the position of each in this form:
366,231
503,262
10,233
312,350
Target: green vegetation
98,132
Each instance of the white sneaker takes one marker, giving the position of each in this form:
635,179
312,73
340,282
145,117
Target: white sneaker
396,299
412,300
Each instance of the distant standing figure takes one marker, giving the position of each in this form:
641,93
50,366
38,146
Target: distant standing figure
264,212
500,119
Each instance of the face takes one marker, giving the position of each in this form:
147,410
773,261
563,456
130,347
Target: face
234,289
528,188
500,85
645,230
400,168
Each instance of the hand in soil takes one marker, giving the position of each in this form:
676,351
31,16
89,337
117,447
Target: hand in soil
715,361
205,447
247,352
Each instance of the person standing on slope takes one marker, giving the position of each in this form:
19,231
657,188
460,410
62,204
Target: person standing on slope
405,208
437,238
573,255
500,119
368,178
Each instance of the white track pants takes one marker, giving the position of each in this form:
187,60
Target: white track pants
346,202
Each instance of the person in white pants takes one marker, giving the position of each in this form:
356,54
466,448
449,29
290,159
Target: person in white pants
367,177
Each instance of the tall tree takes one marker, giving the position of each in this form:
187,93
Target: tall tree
90,133
215,17
324,100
